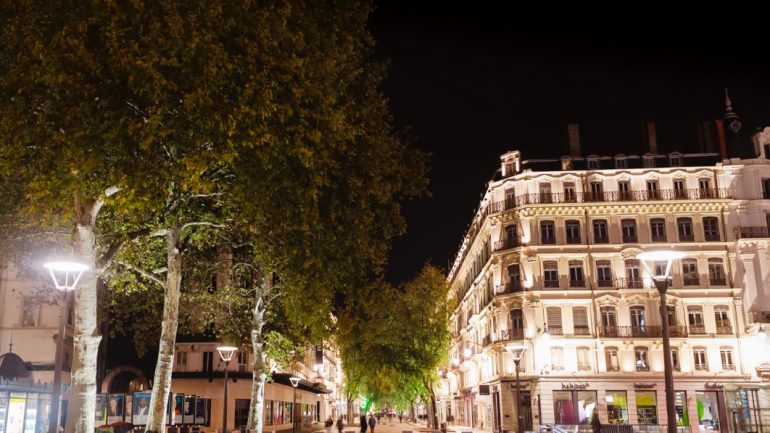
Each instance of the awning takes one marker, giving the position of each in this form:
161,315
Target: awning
305,385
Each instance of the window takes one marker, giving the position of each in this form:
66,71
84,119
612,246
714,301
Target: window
633,275
517,324
704,188
547,233
574,407
766,188
243,360
648,161
675,359
621,162
553,316
658,230
679,188
684,226
699,359
671,312
597,191
576,278
652,190
711,229
717,273
180,361
726,355
511,238
208,361
603,273
675,160
638,321
611,358
510,198
593,163
722,319
647,407
572,230
600,232
690,275
583,359
695,320
624,190
580,321
557,359
550,274
569,192
545,192
609,320
628,230
642,364
30,312
617,407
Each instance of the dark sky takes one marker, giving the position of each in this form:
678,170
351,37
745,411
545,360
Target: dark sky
472,84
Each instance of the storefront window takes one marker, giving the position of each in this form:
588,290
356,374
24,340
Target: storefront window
574,407
646,407
617,407
708,411
680,404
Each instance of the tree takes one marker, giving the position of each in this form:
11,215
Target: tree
397,337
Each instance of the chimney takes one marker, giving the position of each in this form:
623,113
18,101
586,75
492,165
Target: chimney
722,139
573,130
651,137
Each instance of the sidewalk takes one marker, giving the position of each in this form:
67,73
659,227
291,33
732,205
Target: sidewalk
383,427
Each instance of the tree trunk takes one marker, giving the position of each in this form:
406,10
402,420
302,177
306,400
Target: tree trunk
258,369
350,410
82,399
433,410
161,386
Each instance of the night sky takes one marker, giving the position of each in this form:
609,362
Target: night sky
473,84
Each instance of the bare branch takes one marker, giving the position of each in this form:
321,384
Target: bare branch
109,192
142,272
214,194
204,224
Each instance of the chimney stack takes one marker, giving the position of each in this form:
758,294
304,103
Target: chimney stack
573,130
651,137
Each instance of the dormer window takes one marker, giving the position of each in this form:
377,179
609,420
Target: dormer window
648,160
675,159
621,161
566,163
593,162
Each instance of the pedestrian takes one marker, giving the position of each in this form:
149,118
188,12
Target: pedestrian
372,423
400,417
363,423
339,425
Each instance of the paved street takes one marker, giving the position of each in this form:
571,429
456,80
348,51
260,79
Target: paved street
383,427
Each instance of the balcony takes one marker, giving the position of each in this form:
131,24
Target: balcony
754,232
513,286
486,341
712,237
604,283
694,281
547,240
658,238
581,330
506,244
677,331
697,330
573,239
718,281
601,239
629,283
630,331
555,331
551,284
630,239
686,237
577,283
511,334
724,330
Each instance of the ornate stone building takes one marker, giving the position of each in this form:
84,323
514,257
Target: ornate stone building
549,261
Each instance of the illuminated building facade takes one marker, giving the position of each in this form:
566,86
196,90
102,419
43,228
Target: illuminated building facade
549,262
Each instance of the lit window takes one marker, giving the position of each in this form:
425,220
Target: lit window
642,364
583,359
699,359
621,162
611,357
557,358
550,274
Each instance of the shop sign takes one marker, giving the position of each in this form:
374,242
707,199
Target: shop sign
713,385
574,386
644,385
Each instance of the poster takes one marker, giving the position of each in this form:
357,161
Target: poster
200,411
128,411
178,409
141,406
100,413
115,405
189,410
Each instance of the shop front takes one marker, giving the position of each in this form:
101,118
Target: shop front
24,408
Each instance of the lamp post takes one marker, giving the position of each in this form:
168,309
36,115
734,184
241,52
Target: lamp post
294,383
226,353
661,283
65,276
517,351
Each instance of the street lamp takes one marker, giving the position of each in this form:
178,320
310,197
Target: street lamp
517,351
295,383
661,283
226,353
65,276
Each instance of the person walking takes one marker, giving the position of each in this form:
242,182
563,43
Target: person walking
363,423
372,423
339,425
